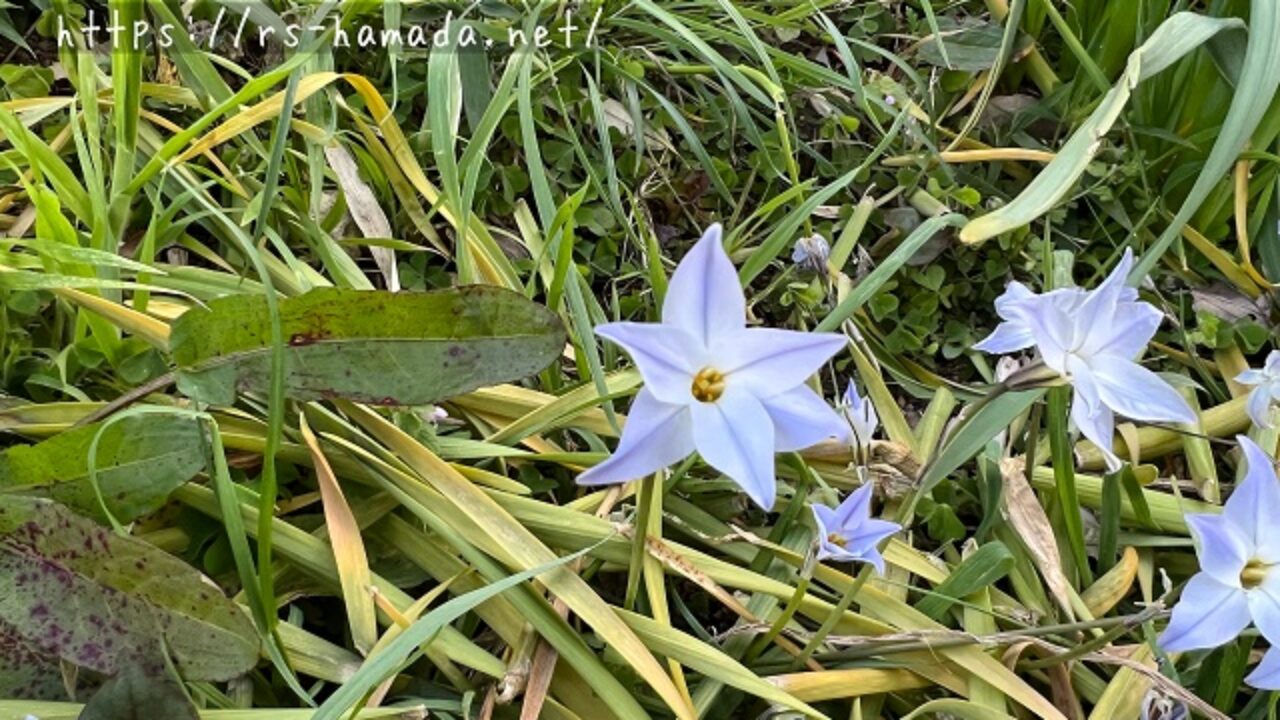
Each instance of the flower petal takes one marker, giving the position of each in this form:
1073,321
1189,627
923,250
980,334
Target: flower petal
860,414
1098,311
825,518
1251,377
705,297
667,357
828,550
1134,391
856,507
1264,607
1259,406
1006,338
1124,333
1014,293
1084,383
735,436
874,557
1255,505
1266,676
770,361
869,534
801,418
1272,363
1208,615
1223,553
1098,424
1050,325
655,435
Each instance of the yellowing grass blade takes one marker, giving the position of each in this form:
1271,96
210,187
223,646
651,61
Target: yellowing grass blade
524,550
348,549
154,331
848,683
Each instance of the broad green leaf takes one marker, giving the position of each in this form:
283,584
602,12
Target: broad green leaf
138,461
981,569
367,346
102,602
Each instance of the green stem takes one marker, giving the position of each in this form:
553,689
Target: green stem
1065,480
831,620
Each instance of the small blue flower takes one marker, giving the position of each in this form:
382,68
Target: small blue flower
735,394
1091,339
848,532
1266,389
1239,578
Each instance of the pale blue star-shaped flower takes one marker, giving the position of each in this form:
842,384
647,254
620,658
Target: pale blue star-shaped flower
1239,578
735,394
848,532
1266,389
1091,339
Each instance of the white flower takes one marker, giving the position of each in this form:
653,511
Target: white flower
1266,389
735,394
861,416
1091,339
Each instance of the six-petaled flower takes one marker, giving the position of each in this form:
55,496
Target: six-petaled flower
848,532
1091,339
734,394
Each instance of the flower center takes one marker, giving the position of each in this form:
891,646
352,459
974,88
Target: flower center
1253,574
837,539
708,385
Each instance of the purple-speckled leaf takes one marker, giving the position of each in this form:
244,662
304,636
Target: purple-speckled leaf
75,590
27,673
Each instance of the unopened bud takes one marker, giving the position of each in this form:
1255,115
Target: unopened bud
811,253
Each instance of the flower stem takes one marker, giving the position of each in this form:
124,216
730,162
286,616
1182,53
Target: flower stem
829,623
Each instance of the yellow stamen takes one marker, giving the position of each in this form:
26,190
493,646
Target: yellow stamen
708,385
1253,574
837,539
